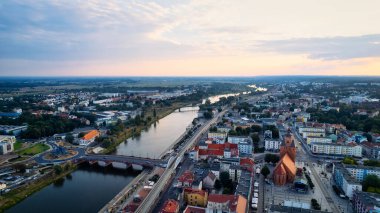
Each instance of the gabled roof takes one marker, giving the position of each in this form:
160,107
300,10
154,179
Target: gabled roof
189,190
187,176
211,176
170,206
219,198
288,164
90,135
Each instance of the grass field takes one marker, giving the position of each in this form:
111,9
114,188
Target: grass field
35,149
17,145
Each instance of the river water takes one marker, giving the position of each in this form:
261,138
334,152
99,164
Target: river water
158,137
90,188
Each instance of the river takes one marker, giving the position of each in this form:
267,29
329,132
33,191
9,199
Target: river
90,188
158,137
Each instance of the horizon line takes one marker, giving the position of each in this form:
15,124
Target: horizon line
177,76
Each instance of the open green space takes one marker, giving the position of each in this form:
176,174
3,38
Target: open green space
35,149
17,146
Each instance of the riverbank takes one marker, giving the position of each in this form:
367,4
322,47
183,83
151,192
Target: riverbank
130,132
17,195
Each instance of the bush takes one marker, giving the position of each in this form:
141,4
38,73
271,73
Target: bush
315,204
271,158
57,169
265,171
309,181
217,184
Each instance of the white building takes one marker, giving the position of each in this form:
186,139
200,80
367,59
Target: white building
360,172
311,129
219,137
313,139
345,181
272,145
306,134
235,172
245,147
237,139
6,144
245,144
351,149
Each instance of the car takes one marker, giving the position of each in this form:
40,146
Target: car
255,200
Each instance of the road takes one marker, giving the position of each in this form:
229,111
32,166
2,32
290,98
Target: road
325,192
41,160
150,201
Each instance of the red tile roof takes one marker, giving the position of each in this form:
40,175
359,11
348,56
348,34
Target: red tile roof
92,134
218,198
218,149
236,203
170,206
187,176
189,190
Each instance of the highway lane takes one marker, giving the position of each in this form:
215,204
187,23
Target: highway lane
149,202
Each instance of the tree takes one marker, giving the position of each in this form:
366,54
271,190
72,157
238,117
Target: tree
372,163
368,136
371,181
255,128
265,171
271,158
349,160
69,138
207,115
224,177
57,169
20,167
315,204
255,138
154,113
217,184
80,135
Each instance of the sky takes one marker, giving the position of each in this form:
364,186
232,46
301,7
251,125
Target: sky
189,37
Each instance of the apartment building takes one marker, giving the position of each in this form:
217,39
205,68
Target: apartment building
347,183
351,149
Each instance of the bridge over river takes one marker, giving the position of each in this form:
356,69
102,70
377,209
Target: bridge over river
121,161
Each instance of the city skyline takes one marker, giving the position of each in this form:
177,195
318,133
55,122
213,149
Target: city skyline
189,38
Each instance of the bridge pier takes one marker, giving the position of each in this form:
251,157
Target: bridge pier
119,165
103,163
137,167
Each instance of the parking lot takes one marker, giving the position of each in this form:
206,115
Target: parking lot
278,194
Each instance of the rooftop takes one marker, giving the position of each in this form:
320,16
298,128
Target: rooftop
91,134
170,206
194,209
368,199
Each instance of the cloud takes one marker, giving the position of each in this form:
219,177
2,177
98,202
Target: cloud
39,34
77,30
333,48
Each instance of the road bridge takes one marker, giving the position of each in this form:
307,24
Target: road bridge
127,160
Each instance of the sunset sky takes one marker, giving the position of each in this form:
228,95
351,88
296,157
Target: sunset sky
189,37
